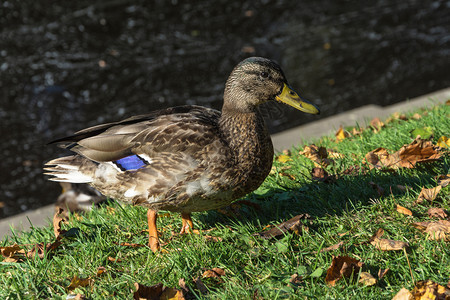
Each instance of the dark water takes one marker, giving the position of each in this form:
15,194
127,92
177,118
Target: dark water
66,65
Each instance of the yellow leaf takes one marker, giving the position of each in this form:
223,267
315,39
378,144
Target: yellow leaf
404,210
341,134
443,142
283,158
367,279
427,289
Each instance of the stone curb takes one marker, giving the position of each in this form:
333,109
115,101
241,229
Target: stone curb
283,140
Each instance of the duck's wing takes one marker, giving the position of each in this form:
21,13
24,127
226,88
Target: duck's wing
183,129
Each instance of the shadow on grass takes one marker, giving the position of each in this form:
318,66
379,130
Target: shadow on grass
318,199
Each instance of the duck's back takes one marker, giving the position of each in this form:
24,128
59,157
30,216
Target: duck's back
173,159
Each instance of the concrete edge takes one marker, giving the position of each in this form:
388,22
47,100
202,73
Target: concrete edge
283,140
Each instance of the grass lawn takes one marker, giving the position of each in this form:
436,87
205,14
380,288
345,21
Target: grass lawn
102,254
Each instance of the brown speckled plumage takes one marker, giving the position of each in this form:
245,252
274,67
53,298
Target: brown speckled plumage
195,158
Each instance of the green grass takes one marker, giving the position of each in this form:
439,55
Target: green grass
348,210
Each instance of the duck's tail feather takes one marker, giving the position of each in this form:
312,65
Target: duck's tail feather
75,169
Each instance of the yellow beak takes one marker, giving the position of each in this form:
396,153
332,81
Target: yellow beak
290,97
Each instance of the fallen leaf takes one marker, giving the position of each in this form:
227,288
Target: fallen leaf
214,273
404,210
100,271
357,131
437,230
295,279
376,124
129,245
419,151
341,134
200,285
386,244
318,155
342,266
428,194
396,116
354,171
377,187
424,133
417,116
79,282
382,272
59,217
156,292
282,158
292,224
41,250
12,253
320,174
437,212
443,180
367,279
427,290
331,248
403,294
443,142
112,259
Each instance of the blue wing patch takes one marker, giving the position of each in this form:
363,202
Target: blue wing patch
132,162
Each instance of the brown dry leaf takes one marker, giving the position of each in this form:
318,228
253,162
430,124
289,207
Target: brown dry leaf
320,174
357,131
283,158
417,116
292,224
396,116
447,102
41,250
377,187
214,273
59,217
382,272
318,155
437,212
156,292
439,230
419,151
367,279
295,279
200,285
386,244
355,170
112,259
429,290
100,271
403,294
342,266
376,124
129,245
341,134
79,282
404,210
331,248
443,142
443,180
428,194
12,253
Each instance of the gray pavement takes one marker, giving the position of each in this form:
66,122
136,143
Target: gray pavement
283,140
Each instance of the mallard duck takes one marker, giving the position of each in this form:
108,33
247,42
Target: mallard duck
186,158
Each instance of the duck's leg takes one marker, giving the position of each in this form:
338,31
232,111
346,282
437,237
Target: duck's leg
153,240
187,224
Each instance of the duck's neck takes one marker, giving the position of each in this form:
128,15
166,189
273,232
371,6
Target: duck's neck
247,137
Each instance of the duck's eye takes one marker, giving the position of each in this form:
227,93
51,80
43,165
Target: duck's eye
264,74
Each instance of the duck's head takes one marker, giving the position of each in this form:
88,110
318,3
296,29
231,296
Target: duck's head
257,80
